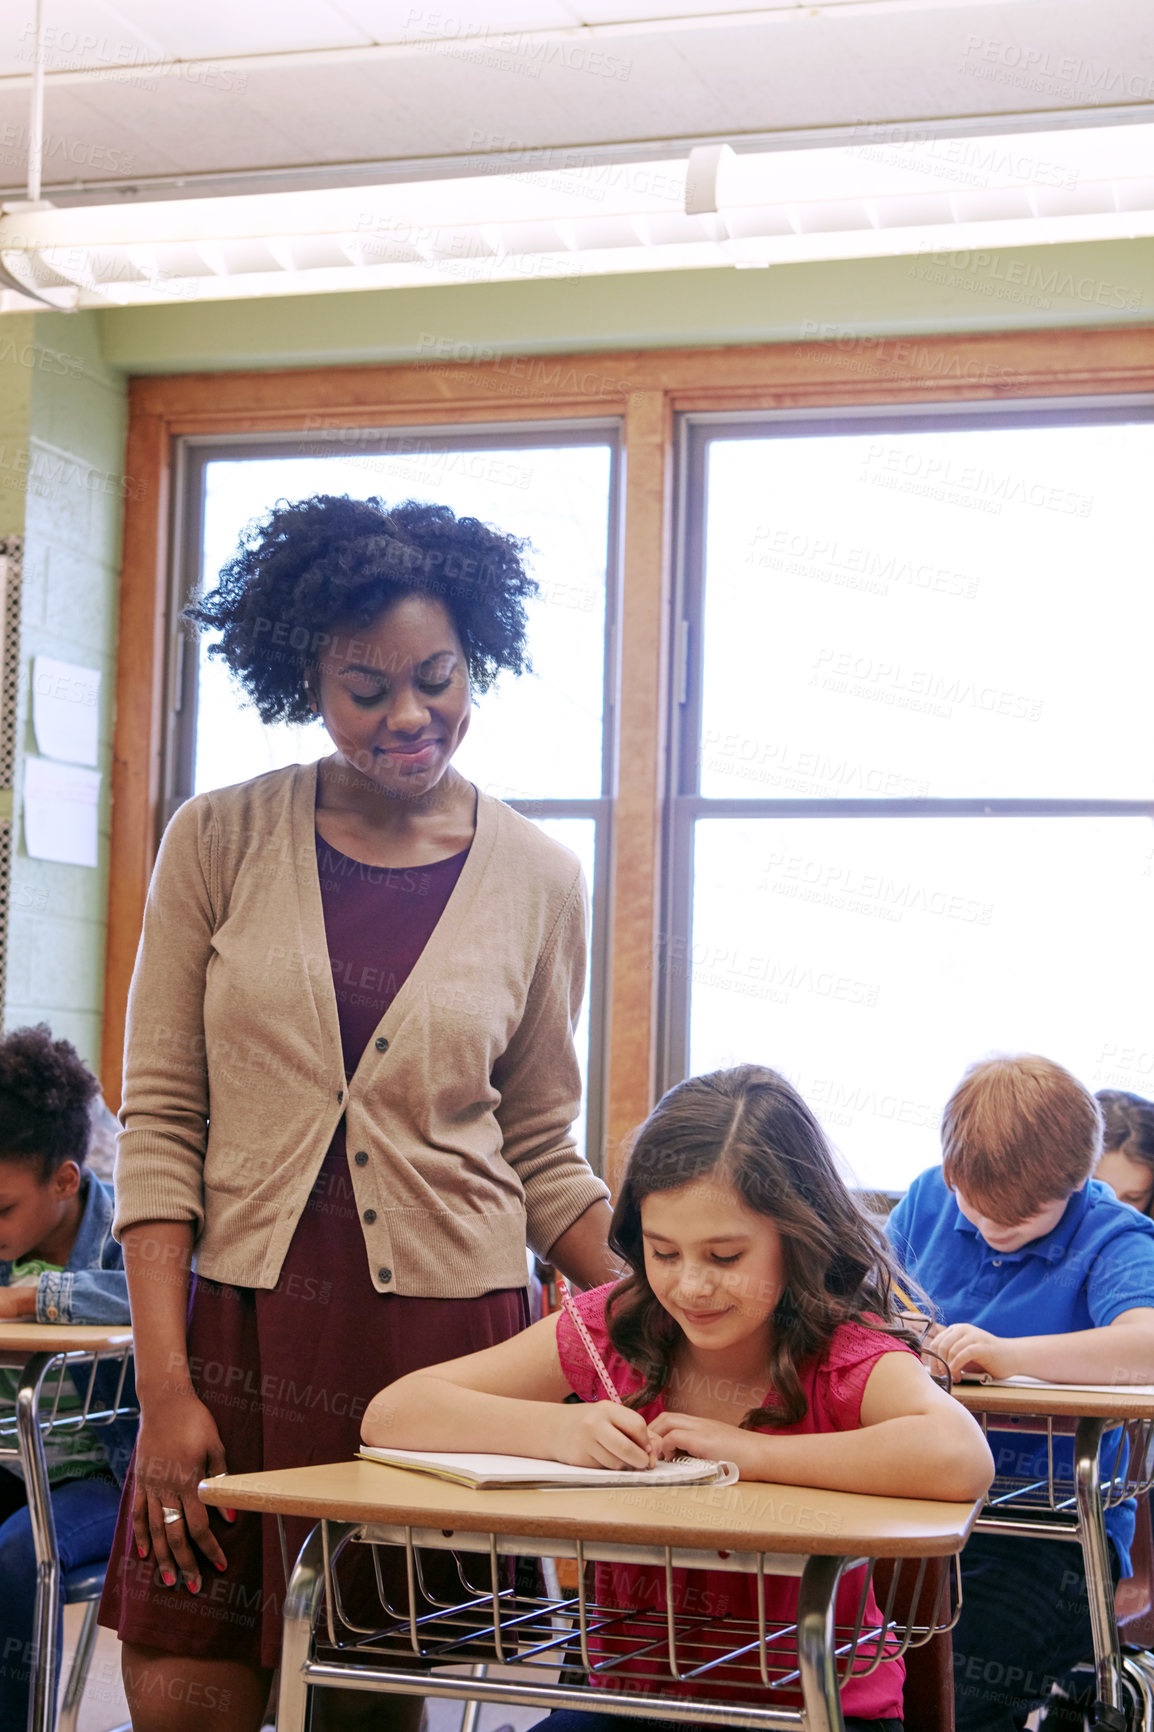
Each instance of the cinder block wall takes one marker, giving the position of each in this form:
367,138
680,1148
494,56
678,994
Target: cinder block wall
63,415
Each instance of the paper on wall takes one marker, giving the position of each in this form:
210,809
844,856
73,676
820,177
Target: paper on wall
65,709
60,811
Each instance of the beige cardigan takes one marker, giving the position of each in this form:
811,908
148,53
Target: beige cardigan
234,1081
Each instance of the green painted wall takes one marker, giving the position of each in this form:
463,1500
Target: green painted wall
17,361
63,416
1028,288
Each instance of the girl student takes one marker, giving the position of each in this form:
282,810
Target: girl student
1126,1163
758,1323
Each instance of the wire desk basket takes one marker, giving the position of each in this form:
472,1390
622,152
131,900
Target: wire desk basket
678,1656
68,1392
1037,1477
55,1382
1057,1478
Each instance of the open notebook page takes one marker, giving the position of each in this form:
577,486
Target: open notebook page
491,1471
1023,1382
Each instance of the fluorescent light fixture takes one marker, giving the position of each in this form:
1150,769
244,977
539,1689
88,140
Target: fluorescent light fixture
894,191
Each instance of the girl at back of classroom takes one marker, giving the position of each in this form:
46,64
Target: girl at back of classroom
758,1323
1126,1163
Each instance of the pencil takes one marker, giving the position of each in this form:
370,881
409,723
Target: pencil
578,1322
905,1300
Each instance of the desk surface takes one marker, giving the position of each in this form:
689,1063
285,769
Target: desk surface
1056,1400
16,1337
746,1517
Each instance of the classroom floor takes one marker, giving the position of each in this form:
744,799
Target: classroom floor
104,1706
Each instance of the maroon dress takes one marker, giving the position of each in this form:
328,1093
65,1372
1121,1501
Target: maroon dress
287,1373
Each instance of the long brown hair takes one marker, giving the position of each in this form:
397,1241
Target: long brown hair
748,1128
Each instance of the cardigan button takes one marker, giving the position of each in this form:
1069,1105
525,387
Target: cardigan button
384,1276
361,1158
382,1044
340,1096
370,1216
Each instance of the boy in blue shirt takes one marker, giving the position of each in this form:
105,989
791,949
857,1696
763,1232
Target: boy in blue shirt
1034,1268
58,1264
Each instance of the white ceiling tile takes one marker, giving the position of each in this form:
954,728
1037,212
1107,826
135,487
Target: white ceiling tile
218,29
415,21
77,34
171,126
373,111
534,90
90,135
638,11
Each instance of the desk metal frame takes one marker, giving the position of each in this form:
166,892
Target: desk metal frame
1047,1508
536,1634
46,1373
477,1616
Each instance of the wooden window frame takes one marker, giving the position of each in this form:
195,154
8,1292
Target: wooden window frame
646,389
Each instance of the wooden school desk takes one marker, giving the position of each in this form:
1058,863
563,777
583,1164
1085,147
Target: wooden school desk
756,1528
1039,1508
46,1354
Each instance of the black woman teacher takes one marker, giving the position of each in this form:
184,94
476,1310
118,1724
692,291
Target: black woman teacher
349,1077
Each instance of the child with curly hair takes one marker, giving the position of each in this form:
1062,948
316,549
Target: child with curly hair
58,1264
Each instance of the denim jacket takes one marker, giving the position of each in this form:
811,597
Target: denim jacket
92,1288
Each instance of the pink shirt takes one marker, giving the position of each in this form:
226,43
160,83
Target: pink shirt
833,1387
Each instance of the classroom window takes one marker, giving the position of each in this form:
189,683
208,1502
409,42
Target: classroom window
540,742
910,813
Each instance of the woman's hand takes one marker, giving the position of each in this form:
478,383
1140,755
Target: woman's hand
178,1446
602,1434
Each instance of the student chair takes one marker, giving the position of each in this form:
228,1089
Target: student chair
1134,1598
1134,1615
929,1689
82,1586
1134,1612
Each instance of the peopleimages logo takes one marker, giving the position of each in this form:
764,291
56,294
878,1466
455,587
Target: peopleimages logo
527,54
1038,282
1027,67
122,62
970,161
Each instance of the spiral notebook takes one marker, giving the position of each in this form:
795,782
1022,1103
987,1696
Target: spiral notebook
491,1472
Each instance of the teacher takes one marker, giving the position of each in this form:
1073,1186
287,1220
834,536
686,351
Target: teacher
349,1076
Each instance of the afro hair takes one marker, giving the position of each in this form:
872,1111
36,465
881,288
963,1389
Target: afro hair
45,1093
331,560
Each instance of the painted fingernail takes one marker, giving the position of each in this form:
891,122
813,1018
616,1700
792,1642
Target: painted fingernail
230,1515
168,1578
223,1566
142,1551
193,1584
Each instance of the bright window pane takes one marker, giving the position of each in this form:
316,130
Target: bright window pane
872,960
943,613
537,737
579,836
